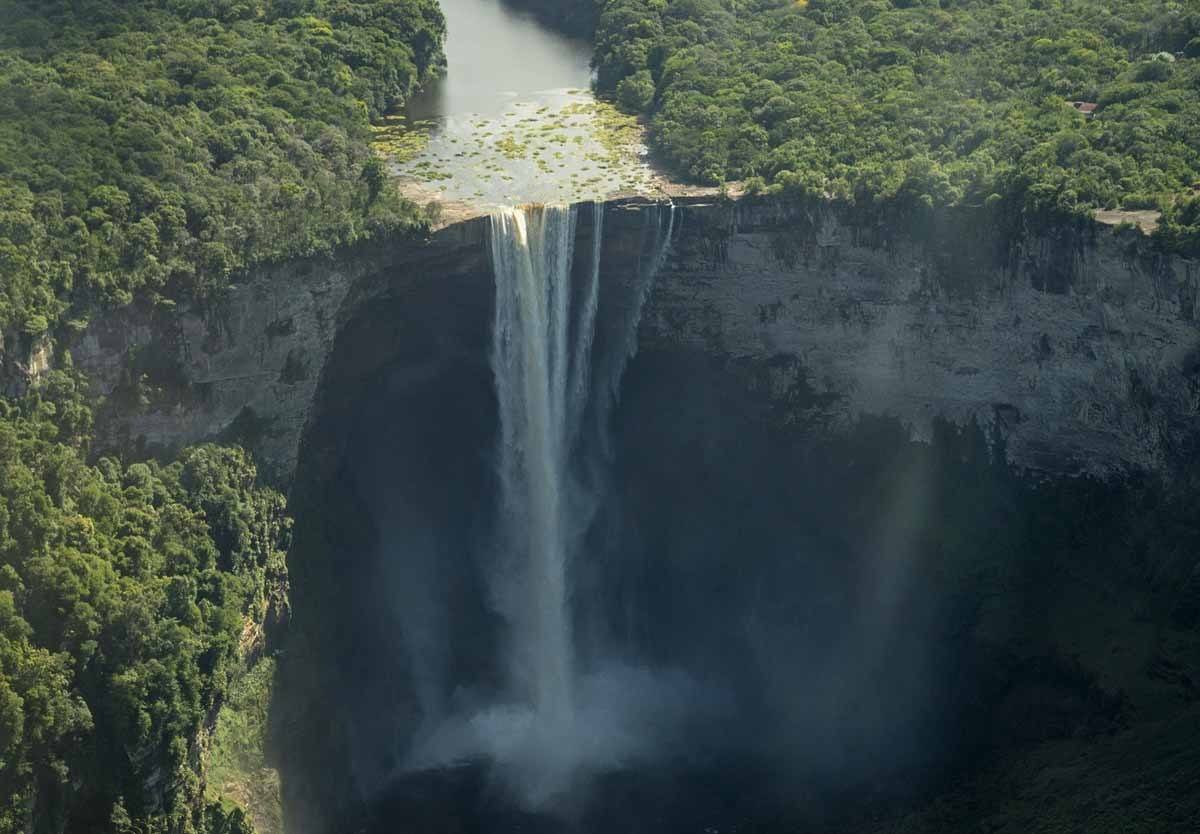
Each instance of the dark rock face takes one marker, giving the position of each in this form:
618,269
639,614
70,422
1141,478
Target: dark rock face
876,609
875,612
248,367
1186,614
1078,346
807,500
1074,344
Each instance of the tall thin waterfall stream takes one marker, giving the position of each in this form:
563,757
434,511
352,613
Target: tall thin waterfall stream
563,715
541,390
542,358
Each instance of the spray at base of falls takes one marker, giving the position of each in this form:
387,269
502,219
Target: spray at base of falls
556,383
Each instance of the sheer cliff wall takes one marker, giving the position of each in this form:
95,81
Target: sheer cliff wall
1079,348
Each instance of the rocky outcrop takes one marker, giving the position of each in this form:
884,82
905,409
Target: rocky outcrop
246,367
22,362
1079,347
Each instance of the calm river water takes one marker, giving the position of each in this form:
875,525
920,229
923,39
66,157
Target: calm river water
514,121
496,56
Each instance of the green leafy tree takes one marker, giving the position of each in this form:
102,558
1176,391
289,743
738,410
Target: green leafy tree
159,147
124,590
927,103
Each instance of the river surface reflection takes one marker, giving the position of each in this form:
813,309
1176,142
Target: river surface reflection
496,56
512,120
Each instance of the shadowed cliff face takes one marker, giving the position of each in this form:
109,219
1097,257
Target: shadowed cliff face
804,508
861,612
1078,345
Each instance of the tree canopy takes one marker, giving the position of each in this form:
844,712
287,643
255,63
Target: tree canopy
155,147
124,590
160,145
933,102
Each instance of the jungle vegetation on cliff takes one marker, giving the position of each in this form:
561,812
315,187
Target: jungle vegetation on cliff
125,591
159,145
150,149
932,102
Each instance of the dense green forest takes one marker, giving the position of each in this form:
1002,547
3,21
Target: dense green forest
125,591
929,102
151,149
160,145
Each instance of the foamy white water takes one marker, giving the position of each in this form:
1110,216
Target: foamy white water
557,722
532,254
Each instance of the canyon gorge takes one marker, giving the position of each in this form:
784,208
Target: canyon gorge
849,456
620,504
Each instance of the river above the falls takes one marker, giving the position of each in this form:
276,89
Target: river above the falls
512,120
497,56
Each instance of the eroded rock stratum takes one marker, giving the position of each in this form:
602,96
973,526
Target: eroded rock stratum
1079,348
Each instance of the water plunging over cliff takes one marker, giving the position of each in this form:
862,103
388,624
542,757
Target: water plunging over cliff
845,621
541,387
542,360
562,713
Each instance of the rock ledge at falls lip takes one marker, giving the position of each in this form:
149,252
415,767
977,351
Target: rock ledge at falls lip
557,147
1078,346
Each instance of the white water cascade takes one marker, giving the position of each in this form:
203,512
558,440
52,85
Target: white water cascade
556,378
542,393
543,363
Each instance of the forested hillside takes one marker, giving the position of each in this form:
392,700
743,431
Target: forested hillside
150,149
929,102
125,594
159,145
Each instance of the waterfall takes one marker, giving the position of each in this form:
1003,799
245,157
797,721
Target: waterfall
539,391
556,373
655,245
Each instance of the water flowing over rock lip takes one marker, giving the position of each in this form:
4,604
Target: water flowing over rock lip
252,365
563,716
452,212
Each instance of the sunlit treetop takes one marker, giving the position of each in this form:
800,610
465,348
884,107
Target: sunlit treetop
161,146
932,103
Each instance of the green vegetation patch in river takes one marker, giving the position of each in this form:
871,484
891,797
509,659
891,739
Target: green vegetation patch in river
559,146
